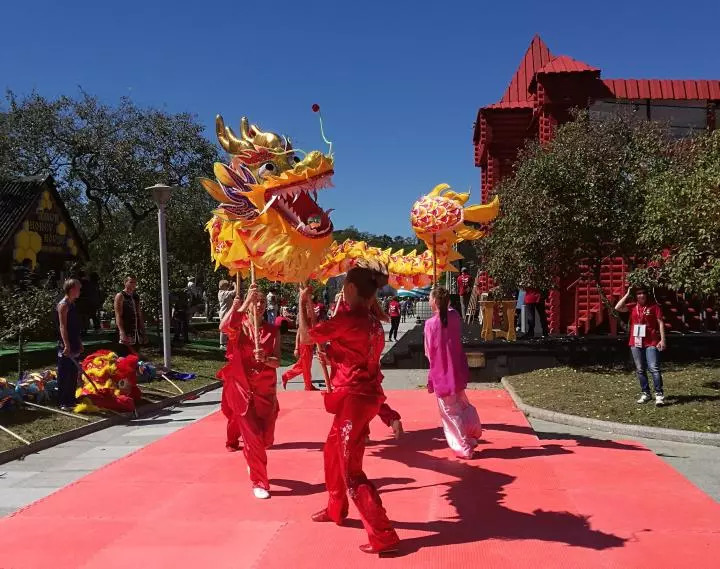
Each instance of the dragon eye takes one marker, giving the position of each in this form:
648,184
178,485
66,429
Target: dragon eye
269,166
296,159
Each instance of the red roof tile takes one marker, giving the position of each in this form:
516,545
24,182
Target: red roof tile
566,64
536,56
676,89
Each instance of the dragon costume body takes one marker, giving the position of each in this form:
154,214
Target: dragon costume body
268,216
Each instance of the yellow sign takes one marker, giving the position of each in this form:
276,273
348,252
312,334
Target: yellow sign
44,231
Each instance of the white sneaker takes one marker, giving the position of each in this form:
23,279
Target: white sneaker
261,493
644,398
659,400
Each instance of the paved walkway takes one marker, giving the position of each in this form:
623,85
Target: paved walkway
40,474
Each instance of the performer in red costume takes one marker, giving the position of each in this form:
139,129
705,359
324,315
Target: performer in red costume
356,341
250,382
303,353
387,414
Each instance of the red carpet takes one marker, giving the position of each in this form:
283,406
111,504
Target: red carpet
185,502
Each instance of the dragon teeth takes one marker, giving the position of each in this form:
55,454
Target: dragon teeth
267,205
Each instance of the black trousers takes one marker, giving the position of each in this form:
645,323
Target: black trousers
530,309
182,325
394,325
67,376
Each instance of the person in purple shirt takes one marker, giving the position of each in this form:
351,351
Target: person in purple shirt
449,375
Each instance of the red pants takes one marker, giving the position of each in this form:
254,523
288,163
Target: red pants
302,366
387,414
256,427
233,430
344,475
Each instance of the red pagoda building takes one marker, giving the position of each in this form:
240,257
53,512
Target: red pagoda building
541,95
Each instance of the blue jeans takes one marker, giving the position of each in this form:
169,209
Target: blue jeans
648,359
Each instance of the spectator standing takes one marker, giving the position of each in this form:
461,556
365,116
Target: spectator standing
403,309
535,301
464,290
194,296
226,294
69,344
128,314
647,340
180,315
518,309
271,310
394,312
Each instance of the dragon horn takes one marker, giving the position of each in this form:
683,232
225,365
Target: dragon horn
227,139
245,130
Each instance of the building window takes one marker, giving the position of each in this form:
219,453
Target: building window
683,118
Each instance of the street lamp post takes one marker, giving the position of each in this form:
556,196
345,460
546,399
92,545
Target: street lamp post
161,196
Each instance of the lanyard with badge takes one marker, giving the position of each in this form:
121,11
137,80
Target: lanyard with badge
639,330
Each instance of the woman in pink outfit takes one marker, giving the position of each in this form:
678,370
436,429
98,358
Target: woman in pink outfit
449,374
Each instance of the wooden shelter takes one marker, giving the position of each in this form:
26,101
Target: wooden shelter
36,226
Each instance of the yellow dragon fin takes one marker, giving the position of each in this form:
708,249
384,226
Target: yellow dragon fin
437,190
469,234
214,189
482,213
221,173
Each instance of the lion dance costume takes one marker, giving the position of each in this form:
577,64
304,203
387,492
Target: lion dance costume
109,382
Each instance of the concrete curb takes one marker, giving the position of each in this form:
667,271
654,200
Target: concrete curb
674,435
47,442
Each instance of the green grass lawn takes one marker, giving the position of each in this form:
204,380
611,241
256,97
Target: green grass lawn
203,357
692,394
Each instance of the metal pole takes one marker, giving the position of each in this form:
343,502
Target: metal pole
164,285
434,245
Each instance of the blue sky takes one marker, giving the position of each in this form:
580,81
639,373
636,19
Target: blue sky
399,81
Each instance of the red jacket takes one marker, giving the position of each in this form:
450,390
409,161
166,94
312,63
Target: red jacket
356,340
532,296
463,282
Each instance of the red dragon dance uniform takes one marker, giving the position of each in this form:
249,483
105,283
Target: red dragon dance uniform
356,341
249,399
386,414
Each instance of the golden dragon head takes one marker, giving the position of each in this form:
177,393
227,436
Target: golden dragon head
268,203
